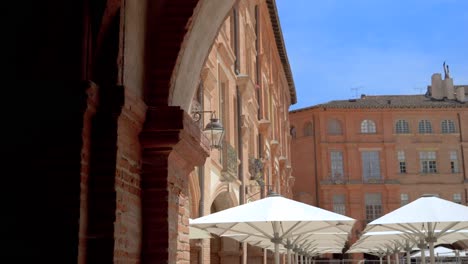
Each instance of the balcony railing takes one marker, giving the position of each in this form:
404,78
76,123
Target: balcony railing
345,179
229,162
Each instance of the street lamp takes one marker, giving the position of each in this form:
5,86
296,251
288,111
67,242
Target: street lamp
214,130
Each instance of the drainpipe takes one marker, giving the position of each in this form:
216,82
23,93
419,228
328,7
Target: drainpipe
201,174
240,152
317,196
257,62
260,148
462,156
461,142
240,148
236,40
201,204
240,169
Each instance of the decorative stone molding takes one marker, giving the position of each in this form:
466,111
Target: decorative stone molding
246,86
282,161
264,126
193,146
274,144
244,123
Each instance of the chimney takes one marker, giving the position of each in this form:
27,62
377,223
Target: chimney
436,86
363,96
447,85
460,94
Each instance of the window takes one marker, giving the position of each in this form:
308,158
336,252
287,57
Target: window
334,127
448,126
339,206
308,129
457,198
453,162
370,165
428,161
336,158
404,198
401,161
425,127
367,126
373,206
402,127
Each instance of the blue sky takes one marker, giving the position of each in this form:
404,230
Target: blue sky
380,47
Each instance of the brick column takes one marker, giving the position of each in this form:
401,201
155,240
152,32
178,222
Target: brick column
92,101
127,232
102,174
172,146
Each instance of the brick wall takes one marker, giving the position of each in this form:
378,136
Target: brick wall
127,233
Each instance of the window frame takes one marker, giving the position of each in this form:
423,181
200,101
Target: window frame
368,126
447,126
373,206
402,127
307,129
401,162
404,201
454,166
428,162
336,164
334,127
372,163
425,126
339,203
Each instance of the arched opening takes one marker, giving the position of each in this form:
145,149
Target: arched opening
174,57
223,249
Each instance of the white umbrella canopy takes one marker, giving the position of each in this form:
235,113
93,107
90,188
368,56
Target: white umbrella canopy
428,218
197,233
383,243
380,243
440,251
273,218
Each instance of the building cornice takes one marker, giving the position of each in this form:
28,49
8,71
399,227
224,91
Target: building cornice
281,48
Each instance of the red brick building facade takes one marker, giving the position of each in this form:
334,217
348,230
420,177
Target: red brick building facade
368,156
246,82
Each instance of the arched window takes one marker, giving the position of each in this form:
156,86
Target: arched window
425,127
368,126
402,127
334,127
448,126
308,129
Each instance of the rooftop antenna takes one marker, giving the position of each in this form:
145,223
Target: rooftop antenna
419,89
356,90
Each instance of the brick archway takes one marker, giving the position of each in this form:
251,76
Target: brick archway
74,127
171,143
223,249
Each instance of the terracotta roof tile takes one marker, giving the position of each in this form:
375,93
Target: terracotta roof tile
391,101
